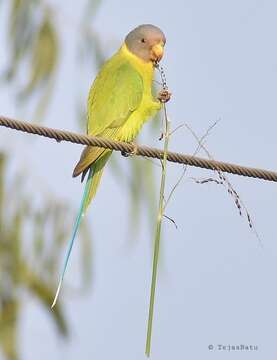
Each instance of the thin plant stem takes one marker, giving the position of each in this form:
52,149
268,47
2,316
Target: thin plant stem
199,147
157,236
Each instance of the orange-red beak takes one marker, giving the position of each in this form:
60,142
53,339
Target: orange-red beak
157,52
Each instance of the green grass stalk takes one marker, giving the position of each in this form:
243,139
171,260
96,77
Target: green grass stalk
157,236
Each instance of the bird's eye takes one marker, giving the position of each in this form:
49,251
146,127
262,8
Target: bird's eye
143,40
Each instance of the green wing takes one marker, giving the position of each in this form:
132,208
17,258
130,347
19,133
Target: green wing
115,94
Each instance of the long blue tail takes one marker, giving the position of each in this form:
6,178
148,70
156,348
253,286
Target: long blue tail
75,230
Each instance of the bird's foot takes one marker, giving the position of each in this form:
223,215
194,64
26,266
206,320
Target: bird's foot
133,152
164,96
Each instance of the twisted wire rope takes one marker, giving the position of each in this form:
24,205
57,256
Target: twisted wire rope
62,135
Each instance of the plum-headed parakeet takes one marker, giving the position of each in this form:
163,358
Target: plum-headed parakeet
119,103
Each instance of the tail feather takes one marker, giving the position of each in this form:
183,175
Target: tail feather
74,233
95,173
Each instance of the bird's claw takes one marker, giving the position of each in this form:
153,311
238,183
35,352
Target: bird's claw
132,153
164,96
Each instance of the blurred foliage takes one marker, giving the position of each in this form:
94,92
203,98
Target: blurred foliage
30,266
34,46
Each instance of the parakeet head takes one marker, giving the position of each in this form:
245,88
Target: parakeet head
147,42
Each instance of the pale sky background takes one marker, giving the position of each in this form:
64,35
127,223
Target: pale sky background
216,285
